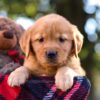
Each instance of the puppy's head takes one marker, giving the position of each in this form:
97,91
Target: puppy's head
52,39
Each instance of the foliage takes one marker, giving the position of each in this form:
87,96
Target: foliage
20,7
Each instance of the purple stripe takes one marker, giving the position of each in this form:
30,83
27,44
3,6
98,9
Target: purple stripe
50,94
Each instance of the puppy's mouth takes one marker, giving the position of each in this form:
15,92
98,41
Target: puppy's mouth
52,62
55,62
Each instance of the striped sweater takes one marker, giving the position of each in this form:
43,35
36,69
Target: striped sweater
43,88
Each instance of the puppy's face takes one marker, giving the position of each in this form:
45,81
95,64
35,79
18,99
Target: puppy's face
52,40
51,45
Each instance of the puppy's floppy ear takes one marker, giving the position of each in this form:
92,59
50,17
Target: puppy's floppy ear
78,40
25,42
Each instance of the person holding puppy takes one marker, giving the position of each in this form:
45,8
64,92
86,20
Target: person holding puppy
51,69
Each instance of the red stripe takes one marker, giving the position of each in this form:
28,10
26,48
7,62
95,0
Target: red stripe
53,88
72,91
8,92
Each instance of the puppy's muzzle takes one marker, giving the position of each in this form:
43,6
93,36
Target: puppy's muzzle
51,55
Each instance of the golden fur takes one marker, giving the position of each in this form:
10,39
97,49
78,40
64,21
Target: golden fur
52,33
51,27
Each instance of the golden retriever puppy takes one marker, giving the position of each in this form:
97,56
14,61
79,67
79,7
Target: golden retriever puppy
51,48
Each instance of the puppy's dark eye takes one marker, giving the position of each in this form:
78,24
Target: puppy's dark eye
62,39
41,39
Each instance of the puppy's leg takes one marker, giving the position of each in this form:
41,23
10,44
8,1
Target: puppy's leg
64,78
18,77
21,74
65,75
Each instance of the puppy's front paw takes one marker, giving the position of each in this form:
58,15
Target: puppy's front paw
18,77
64,78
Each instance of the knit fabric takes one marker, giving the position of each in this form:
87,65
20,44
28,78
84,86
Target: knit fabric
10,61
43,88
15,56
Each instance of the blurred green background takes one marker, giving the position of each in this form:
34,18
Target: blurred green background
83,13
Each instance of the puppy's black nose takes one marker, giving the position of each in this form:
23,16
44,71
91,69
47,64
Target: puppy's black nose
51,54
8,35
